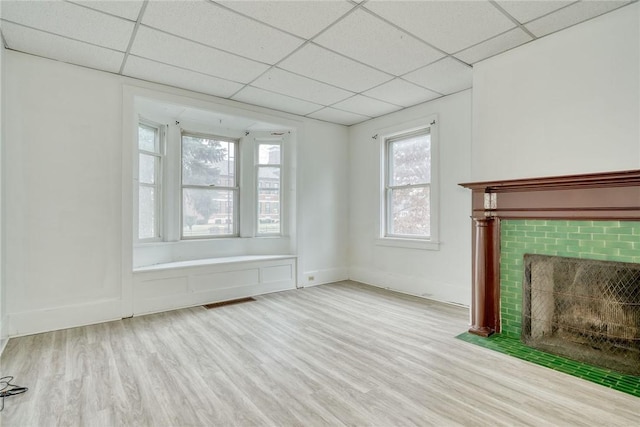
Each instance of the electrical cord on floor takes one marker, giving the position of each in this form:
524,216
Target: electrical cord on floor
7,389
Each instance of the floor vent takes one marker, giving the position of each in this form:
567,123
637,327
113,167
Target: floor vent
230,302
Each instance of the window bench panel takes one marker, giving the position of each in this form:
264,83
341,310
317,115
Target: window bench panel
179,284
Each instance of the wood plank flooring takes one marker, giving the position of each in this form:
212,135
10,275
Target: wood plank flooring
332,355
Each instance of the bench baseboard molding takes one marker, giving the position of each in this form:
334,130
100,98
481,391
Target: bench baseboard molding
189,283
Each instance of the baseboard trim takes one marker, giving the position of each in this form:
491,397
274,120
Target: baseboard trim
322,277
52,319
410,285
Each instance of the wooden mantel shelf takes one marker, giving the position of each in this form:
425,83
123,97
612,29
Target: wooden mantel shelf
594,180
596,196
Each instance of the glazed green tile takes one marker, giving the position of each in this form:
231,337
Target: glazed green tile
606,237
622,245
546,240
592,229
620,229
600,257
579,236
592,243
606,251
550,228
629,252
567,229
558,235
608,223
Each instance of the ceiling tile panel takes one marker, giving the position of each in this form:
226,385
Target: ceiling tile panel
161,47
527,10
447,25
61,49
401,92
571,15
366,58
264,98
128,9
70,20
496,45
161,73
215,26
370,40
290,84
303,18
366,106
446,76
338,116
321,64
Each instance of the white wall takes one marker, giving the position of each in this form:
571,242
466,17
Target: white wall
323,210
567,103
63,210
442,274
63,163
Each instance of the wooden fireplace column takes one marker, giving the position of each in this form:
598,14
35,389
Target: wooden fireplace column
599,196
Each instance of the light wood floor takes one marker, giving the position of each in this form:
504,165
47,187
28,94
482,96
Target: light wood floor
340,354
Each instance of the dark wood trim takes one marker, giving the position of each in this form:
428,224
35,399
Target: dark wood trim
596,196
593,180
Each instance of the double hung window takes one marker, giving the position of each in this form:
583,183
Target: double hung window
149,181
210,190
269,174
408,185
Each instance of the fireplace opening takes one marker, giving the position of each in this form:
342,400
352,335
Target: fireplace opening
586,310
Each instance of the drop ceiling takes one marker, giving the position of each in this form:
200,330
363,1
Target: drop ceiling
338,61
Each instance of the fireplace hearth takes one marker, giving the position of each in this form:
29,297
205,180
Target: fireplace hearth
584,309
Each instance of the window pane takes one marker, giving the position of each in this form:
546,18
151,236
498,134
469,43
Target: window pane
207,212
208,162
147,138
268,200
147,169
146,213
410,160
410,213
269,154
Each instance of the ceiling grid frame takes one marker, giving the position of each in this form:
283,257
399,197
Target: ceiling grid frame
385,88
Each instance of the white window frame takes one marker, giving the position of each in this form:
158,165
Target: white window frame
258,165
158,181
235,190
384,135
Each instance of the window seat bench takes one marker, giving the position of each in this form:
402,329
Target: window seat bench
179,284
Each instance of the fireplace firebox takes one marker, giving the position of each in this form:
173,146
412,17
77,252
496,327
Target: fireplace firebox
584,309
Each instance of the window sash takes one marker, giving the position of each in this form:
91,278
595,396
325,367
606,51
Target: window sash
390,188
156,185
263,221
234,230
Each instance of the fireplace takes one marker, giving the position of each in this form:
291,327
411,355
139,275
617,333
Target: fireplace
571,211
584,309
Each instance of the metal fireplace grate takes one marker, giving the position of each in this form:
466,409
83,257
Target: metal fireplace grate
587,310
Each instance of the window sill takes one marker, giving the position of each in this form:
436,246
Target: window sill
194,241
428,245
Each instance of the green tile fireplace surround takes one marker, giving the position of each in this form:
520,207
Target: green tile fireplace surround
600,240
